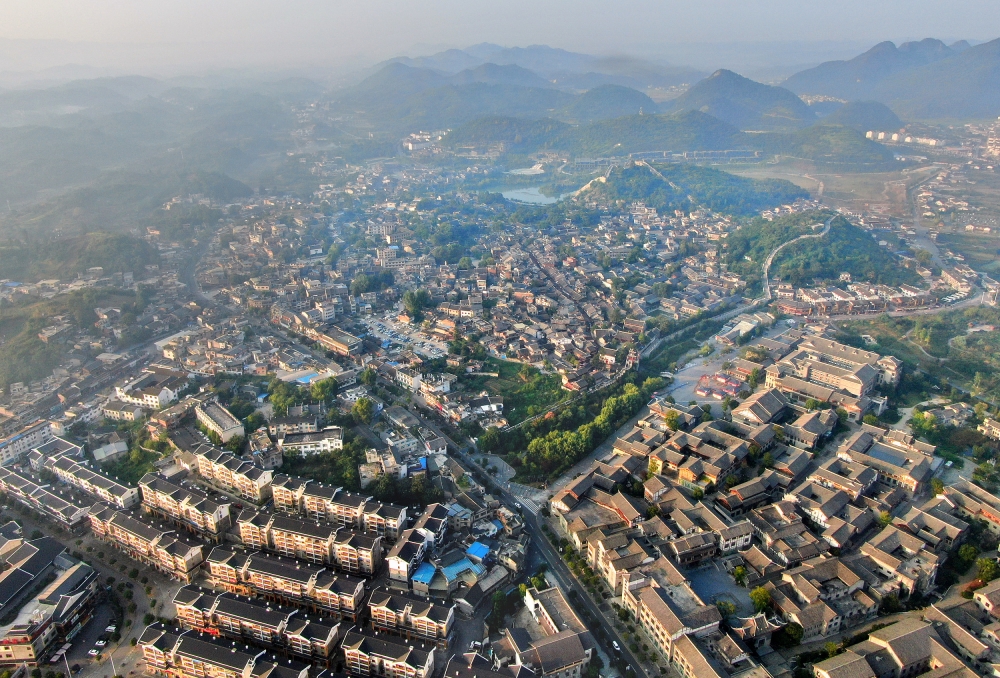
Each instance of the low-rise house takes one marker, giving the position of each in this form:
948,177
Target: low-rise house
824,596
908,647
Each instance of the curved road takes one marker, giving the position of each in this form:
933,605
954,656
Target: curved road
770,257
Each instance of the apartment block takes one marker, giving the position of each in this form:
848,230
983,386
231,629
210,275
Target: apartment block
172,653
324,543
258,622
148,544
288,582
93,482
185,506
412,617
225,469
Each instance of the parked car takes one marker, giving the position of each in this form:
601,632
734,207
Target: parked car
92,652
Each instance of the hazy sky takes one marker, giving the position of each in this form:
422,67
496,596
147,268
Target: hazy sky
295,32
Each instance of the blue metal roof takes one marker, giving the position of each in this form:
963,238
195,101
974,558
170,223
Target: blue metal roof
478,550
464,565
424,573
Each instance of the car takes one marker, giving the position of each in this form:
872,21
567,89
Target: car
111,629
617,648
517,506
101,643
92,652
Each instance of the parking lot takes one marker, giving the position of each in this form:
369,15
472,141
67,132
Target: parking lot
388,329
88,637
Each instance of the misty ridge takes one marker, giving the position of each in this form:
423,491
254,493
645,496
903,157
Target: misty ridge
101,153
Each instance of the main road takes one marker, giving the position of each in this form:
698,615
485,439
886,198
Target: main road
557,567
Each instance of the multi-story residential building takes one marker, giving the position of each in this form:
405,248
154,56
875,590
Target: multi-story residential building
56,612
413,617
61,508
990,428
287,581
329,544
852,478
298,424
154,389
783,535
256,621
186,506
326,440
406,554
92,482
172,653
145,543
565,647
116,410
371,656
225,469
972,502
19,443
219,421
385,520
332,504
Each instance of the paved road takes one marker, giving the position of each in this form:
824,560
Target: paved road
770,257
557,568
561,573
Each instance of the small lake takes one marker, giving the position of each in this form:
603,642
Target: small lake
529,195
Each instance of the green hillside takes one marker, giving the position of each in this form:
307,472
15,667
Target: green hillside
846,248
862,116
695,186
63,259
834,145
607,101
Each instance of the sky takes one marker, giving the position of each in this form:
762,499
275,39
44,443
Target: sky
144,34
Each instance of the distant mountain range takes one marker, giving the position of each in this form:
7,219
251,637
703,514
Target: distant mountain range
744,103
558,66
918,80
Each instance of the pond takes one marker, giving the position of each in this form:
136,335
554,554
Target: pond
530,195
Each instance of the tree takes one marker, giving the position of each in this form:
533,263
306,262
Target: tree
831,648
672,420
937,486
363,411
324,390
870,419
368,376
761,599
464,264
754,378
884,518
793,632
726,608
987,568
490,440
415,301
740,575
967,553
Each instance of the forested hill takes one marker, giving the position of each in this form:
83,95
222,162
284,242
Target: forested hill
845,249
63,259
690,186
